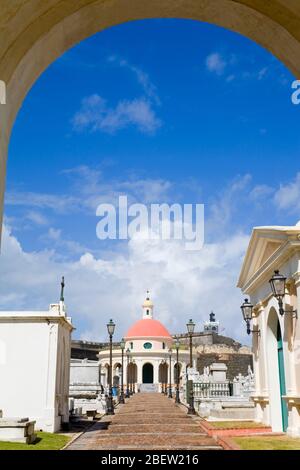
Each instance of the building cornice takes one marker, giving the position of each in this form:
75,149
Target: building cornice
263,274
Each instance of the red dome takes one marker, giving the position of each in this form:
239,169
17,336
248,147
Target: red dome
147,327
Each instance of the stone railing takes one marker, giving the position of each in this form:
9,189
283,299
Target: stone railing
212,390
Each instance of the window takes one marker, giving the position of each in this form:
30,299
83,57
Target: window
147,345
164,345
147,312
131,345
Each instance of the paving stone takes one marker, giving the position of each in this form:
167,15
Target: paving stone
148,421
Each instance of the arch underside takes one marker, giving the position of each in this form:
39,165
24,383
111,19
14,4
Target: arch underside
34,33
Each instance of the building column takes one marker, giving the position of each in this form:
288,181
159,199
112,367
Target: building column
155,371
260,366
293,358
172,370
139,365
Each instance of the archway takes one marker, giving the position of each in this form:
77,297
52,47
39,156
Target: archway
132,375
177,371
163,375
276,373
148,373
106,376
117,374
34,35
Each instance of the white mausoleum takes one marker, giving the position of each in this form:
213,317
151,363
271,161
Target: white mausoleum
149,343
276,340
35,365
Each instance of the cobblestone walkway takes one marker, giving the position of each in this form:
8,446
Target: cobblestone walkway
146,421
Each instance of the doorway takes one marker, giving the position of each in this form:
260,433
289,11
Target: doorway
148,373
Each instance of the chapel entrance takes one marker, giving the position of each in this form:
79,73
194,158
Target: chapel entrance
148,373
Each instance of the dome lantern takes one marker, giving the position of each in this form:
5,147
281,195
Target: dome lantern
148,307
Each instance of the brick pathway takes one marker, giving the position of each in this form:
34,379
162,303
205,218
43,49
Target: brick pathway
146,421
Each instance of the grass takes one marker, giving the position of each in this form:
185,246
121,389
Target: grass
268,443
44,441
235,424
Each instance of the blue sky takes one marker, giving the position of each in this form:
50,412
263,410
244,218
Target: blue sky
163,111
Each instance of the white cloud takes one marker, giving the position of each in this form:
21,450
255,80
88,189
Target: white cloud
88,190
216,63
230,78
54,202
262,73
260,191
141,76
288,195
182,284
37,218
96,115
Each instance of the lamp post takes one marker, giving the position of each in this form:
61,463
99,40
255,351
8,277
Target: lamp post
177,344
170,374
278,283
161,376
190,328
122,345
166,378
130,376
247,311
133,377
110,405
127,375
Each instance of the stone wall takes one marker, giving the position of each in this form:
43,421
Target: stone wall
236,363
87,349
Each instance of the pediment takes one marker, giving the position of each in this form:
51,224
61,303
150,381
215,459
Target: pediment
262,248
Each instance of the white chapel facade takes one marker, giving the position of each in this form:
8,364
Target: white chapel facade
148,364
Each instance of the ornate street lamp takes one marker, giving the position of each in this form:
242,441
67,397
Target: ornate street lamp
122,346
277,283
127,375
110,406
247,311
170,374
177,345
132,377
191,327
161,368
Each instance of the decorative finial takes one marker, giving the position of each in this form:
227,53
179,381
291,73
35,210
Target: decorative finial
212,317
148,295
62,299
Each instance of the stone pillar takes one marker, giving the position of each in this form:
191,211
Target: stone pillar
173,361
293,393
260,362
155,371
51,411
139,365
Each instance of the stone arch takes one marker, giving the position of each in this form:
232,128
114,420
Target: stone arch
106,374
132,372
163,373
177,368
117,371
34,34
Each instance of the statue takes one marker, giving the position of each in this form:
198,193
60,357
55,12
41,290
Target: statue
62,299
